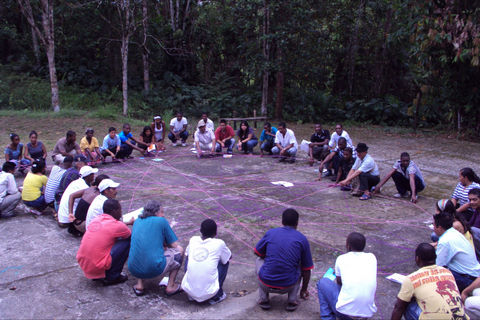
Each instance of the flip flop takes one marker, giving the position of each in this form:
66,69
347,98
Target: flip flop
291,306
179,290
265,305
138,292
365,197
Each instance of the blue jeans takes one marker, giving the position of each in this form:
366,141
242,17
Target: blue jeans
222,275
183,136
267,146
328,292
38,203
462,280
413,311
248,146
119,255
291,152
228,143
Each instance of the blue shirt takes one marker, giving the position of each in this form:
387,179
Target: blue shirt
109,143
149,235
285,251
123,137
14,154
266,137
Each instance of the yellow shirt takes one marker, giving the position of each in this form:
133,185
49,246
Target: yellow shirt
85,145
32,186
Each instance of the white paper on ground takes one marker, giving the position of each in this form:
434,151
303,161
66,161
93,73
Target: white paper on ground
283,183
396,277
163,282
304,146
134,214
193,149
157,159
227,156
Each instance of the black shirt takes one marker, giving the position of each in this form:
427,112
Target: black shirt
320,137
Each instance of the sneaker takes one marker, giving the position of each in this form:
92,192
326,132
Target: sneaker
399,195
282,159
174,144
265,305
291,160
217,299
184,144
120,279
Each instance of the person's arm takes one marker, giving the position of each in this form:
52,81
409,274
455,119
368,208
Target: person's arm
7,157
197,146
105,147
71,201
468,290
175,245
384,180
214,145
304,294
184,128
442,255
77,149
464,207
249,137
26,154
399,309
339,174
352,174
44,151
163,131
412,187
11,185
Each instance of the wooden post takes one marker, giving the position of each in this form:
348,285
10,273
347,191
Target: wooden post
255,121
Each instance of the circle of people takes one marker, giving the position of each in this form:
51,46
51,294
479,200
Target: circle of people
447,285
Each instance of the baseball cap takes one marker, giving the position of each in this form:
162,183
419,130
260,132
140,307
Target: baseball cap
157,117
107,183
201,123
87,170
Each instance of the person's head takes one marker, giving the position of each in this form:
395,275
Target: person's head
112,132
67,162
342,143
244,126
347,153
467,176
223,124
442,222
445,205
204,116
318,128
404,160
108,188
157,120
14,138
113,208
89,133
79,161
38,167
99,179
152,208
202,126
339,129
267,126
362,150
474,198
290,218
179,115
71,136
425,255
126,128
208,228
8,167
147,131
356,242
282,127
459,223
33,137
88,174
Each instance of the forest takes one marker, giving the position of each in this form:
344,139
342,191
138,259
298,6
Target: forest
408,63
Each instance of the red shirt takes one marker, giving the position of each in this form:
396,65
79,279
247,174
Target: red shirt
220,135
94,253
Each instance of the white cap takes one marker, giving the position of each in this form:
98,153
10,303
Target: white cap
87,170
201,123
107,183
157,117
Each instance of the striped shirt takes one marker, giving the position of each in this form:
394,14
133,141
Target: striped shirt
53,183
461,192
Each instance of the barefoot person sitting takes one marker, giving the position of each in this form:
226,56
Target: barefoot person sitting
204,139
407,178
147,138
90,148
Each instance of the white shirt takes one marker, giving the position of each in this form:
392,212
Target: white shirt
210,125
201,279
95,209
286,140
73,187
358,271
178,125
334,139
204,138
7,185
367,165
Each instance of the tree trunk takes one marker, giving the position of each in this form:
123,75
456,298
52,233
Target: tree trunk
266,57
417,109
280,79
36,48
354,47
172,15
146,67
53,77
124,52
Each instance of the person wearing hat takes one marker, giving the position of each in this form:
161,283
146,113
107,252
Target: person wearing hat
158,129
204,139
90,148
366,170
111,145
108,190
71,174
54,179
178,129
87,176
66,146
33,188
407,178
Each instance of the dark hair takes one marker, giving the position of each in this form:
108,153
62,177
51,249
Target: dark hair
282,124
470,175
290,217
99,179
426,253
126,124
178,113
13,136
8,166
448,208
348,149
356,241
89,130
444,220
223,121
342,139
243,134
339,124
71,133
204,113
38,166
33,132
460,218
150,209
111,129
111,207
475,191
268,124
208,228
404,155
144,132
68,158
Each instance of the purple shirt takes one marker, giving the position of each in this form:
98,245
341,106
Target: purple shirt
475,219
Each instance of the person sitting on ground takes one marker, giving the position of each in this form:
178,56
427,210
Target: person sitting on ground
318,147
430,292
346,163
104,249
455,252
158,129
71,174
111,145
407,177
246,138
467,181
267,138
34,187
66,146
54,179
284,261
224,136
471,299
128,143
154,252
474,204
366,170
208,122
147,138
14,151
445,205
10,195
87,176
90,148
285,144
108,190
352,295
206,265
204,139
35,150
339,132
332,160
178,129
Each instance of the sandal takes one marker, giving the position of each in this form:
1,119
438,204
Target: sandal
291,306
179,289
265,305
365,197
138,292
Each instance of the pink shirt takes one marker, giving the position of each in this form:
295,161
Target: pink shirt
94,253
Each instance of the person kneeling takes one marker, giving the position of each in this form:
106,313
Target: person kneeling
104,247
206,265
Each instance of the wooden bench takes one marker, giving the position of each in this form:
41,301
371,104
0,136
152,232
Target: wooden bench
254,119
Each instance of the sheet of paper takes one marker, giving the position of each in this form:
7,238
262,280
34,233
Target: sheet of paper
151,148
227,156
134,214
304,146
396,277
286,184
158,159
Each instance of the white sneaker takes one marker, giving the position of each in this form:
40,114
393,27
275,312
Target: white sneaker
184,144
218,300
174,144
399,195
